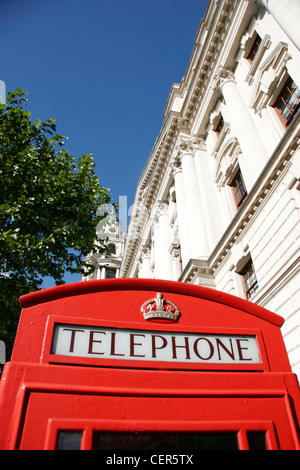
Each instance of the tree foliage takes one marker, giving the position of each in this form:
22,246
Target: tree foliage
48,205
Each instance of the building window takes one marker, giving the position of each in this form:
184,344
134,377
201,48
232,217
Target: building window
69,440
111,249
110,273
250,281
162,441
288,101
219,126
180,258
254,48
239,188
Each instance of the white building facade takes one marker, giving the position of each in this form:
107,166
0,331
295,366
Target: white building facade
218,202
107,265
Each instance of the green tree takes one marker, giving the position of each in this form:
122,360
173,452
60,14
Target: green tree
48,204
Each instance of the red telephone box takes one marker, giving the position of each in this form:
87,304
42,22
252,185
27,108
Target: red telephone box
145,364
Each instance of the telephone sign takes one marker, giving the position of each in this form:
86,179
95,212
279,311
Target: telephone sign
169,347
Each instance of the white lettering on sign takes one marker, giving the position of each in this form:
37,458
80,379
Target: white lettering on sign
109,343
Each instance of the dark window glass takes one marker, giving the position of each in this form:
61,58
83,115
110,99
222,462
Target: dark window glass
110,440
111,249
220,126
254,48
287,103
239,188
69,440
110,273
257,440
250,280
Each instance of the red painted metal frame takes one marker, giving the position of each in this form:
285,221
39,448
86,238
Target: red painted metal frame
108,285
77,304
143,400
42,393
89,426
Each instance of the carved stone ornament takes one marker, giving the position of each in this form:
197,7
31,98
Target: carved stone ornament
160,308
175,165
223,74
189,146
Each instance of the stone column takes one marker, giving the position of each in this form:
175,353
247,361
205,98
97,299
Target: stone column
175,256
287,14
196,222
181,209
209,195
165,263
145,270
156,239
102,275
254,155
98,272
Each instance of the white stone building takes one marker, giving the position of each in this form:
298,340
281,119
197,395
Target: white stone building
218,202
107,265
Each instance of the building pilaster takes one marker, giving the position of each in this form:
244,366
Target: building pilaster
145,270
287,14
181,208
176,261
166,269
156,240
254,155
196,223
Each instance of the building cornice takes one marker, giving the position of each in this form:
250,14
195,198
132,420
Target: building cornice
202,64
198,269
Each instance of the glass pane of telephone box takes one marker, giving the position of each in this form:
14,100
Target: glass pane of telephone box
257,440
115,440
69,440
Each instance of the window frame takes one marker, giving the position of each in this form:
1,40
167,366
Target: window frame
254,48
110,268
111,249
247,272
238,187
89,426
280,110
220,125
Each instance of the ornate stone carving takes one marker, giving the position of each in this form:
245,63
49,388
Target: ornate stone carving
145,251
162,208
189,145
175,165
224,74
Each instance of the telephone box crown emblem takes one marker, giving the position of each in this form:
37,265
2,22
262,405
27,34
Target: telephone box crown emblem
160,308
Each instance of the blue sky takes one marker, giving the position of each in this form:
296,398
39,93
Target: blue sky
103,69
